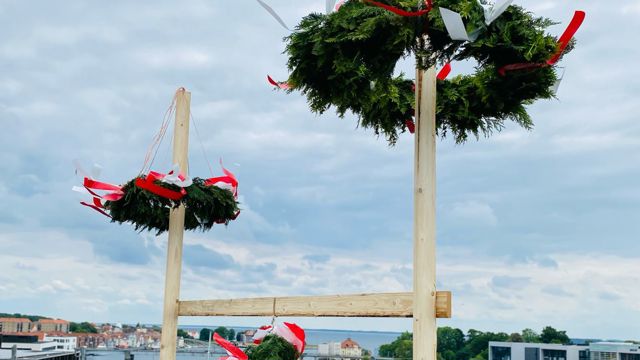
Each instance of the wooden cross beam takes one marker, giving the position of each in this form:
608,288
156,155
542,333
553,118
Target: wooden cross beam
357,305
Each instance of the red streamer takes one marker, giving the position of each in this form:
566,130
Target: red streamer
563,42
280,85
574,25
231,349
149,184
91,185
411,126
444,72
97,206
520,66
401,12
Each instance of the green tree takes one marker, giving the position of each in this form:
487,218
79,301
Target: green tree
515,337
450,343
205,334
231,334
477,344
530,336
224,332
184,334
402,347
550,335
83,327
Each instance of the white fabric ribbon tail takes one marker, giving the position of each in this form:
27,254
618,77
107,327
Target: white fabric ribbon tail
176,178
329,5
493,11
554,88
454,24
273,13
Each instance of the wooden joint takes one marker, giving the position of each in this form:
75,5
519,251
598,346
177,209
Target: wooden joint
443,304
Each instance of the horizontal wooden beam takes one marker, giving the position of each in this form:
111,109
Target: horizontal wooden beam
358,305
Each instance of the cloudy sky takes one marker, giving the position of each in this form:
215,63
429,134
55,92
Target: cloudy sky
534,228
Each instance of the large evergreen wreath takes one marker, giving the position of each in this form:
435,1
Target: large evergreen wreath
346,59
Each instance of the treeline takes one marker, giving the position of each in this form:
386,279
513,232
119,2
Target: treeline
33,318
206,334
83,327
453,344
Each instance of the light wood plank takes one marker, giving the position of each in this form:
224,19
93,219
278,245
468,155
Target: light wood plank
176,231
424,219
358,305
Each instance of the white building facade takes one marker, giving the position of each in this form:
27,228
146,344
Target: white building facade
329,349
68,343
594,351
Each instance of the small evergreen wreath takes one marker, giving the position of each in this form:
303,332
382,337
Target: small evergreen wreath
205,205
347,59
146,200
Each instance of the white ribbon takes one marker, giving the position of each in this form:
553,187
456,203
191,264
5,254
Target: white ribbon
329,5
554,88
273,13
493,11
455,26
174,177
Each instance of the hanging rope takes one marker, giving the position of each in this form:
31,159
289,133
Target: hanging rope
157,139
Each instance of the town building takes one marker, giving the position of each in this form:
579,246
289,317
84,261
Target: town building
50,325
26,342
350,348
593,351
246,337
346,349
14,325
63,342
329,349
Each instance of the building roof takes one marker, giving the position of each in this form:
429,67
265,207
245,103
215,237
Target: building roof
15,320
53,321
349,344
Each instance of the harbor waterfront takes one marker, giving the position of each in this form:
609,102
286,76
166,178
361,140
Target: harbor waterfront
370,340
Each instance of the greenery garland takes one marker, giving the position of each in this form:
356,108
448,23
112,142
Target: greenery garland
273,347
205,205
346,59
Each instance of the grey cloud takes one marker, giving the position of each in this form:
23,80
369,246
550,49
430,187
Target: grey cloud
510,282
202,257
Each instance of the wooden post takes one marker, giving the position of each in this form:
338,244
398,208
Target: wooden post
424,232
176,231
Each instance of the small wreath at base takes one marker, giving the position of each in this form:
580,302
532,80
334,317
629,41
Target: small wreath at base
284,341
346,59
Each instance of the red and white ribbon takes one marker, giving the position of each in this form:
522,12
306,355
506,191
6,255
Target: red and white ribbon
291,332
229,182
93,187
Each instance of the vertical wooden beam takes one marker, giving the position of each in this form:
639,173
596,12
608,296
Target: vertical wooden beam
424,232
176,231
